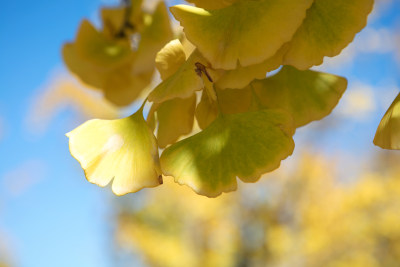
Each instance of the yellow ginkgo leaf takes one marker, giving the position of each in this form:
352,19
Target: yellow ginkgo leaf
183,83
122,21
388,133
212,4
306,95
175,118
156,33
80,67
244,145
123,150
170,58
102,52
329,27
122,87
247,31
230,101
242,76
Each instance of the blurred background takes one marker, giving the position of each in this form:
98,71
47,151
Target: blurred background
334,202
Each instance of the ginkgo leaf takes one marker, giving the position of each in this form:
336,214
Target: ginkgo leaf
123,150
329,27
388,133
212,4
80,67
244,145
230,101
97,49
122,87
183,83
153,37
175,118
242,76
306,95
122,21
170,58
247,31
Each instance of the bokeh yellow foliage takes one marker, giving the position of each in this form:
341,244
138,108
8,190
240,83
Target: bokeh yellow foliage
304,216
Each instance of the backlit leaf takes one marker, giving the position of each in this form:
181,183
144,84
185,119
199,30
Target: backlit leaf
170,58
123,150
388,133
247,31
329,27
244,145
212,4
306,95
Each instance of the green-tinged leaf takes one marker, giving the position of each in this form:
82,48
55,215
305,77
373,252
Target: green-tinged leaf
230,101
247,31
212,4
100,51
388,133
306,95
81,68
244,145
170,58
175,118
183,83
153,37
242,76
123,150
329,27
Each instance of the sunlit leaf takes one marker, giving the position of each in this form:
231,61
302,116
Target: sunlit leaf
247,31
175,118
244,145
170,58
123,150
212,4
329,27
183,83
388,133
242,76
306,95
156,33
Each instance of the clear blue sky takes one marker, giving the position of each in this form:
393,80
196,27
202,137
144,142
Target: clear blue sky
64,220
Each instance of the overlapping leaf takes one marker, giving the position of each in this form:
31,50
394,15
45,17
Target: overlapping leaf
244,145
123,150
329,27
212,4
388,133
247,31
306,95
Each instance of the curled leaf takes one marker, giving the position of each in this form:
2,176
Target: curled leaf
244,145
123,150
170,58
388,133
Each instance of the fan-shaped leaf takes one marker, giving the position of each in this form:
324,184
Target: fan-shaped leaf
170,58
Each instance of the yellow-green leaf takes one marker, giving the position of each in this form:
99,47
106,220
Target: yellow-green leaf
183,83
206,111
175,118
388,133
306,95
247,31
212,4
123,150
97,49
329,27
153,37
170,58
244,145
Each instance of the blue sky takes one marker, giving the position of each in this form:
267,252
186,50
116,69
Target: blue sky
62,220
